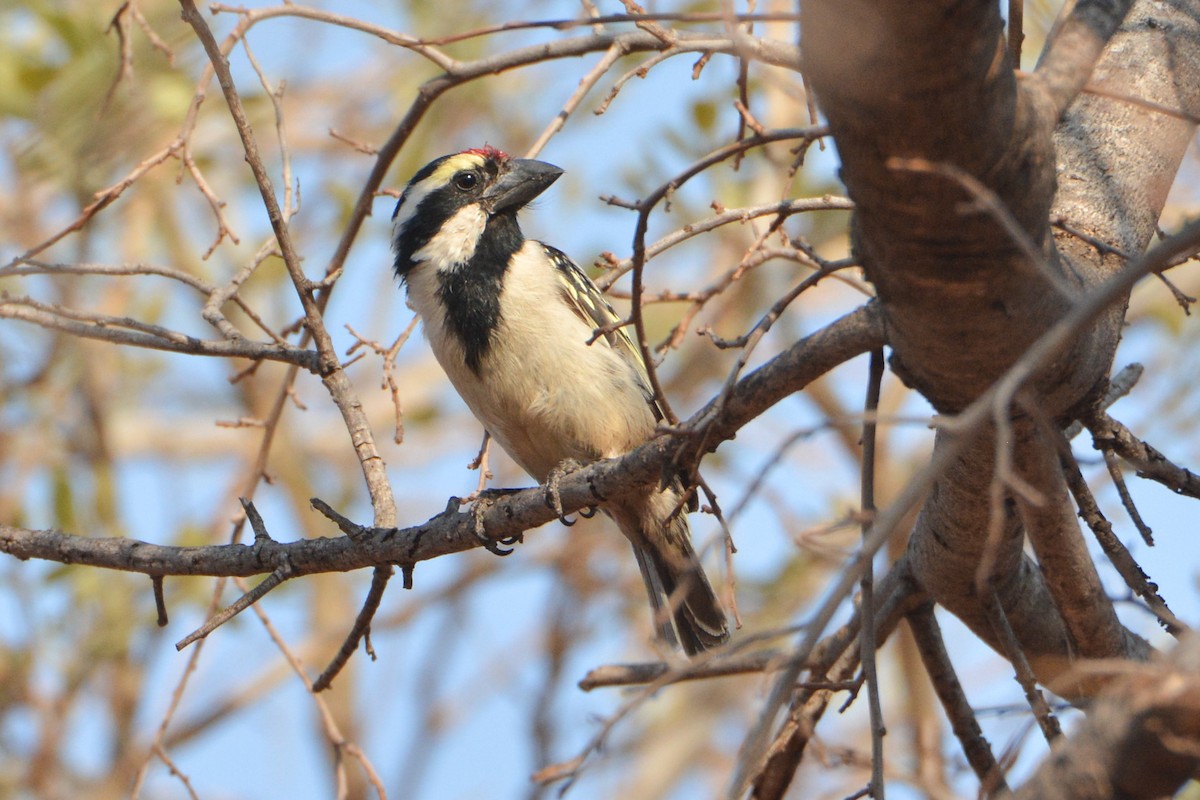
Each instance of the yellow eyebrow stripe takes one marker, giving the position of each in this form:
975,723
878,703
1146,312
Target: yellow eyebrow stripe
453,165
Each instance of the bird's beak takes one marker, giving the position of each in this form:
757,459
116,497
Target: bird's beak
524,180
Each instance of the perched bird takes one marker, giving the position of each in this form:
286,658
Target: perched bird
514,324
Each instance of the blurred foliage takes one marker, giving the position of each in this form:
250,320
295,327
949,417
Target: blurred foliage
483,655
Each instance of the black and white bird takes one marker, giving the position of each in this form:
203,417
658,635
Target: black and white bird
513,323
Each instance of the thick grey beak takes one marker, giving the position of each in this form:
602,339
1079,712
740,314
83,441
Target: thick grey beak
525,180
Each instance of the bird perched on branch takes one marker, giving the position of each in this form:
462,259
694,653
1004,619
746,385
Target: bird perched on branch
542,360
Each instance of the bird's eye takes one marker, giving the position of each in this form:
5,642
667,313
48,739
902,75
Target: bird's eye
466,181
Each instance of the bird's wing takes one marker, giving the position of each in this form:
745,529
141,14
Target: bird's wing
586,300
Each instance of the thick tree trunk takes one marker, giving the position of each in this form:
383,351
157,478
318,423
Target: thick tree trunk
951,161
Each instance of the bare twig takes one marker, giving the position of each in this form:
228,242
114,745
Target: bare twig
160,603
928,637
644,207
641,674
1119,385
1114,472
586,84
282,573
120,25
1016,31
332,374
362,625
215,203
1110,434
1024,674
784,208
103,199
130,332
867,638
159,751
333,734
611,19
1118,555
831,668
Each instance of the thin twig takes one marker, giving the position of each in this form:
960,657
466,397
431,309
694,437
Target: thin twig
611,19
333,376
1116,552
1119,385
641,674
362,626
1114,472
160,751
282,573
867,643
1023,672
160,603
586,84
932,649
1016,31
333,734
639,257
1111,434
616,269
134,333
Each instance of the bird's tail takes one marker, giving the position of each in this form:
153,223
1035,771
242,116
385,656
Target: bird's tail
675,581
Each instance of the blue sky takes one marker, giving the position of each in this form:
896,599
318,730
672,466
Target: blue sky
270,749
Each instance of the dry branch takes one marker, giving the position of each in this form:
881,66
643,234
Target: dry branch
453,530
1139,736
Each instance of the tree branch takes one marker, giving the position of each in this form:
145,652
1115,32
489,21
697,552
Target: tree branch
453,530
832,660
1140,740
1038,630
1068,61
129,332
928,637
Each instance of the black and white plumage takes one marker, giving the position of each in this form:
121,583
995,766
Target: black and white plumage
513,322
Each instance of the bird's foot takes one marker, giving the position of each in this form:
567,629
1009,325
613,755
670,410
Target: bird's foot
481,503
596,494
554,501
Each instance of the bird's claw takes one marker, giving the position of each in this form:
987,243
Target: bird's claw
596,494
500,547
553,500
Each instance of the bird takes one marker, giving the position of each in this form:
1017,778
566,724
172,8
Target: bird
543,361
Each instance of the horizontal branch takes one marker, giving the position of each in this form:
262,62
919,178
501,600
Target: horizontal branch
508,517
642,674
152,337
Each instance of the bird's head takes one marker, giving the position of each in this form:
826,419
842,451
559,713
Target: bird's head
458,202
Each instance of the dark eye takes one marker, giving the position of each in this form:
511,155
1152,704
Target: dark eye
466,181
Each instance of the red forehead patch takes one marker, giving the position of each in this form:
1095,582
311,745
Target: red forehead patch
487,151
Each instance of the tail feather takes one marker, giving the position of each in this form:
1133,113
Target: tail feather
698,615
679,591
661,615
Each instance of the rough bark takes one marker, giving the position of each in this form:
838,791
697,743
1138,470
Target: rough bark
1139,737
939,142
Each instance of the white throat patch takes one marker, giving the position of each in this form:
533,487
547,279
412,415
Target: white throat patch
454,244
